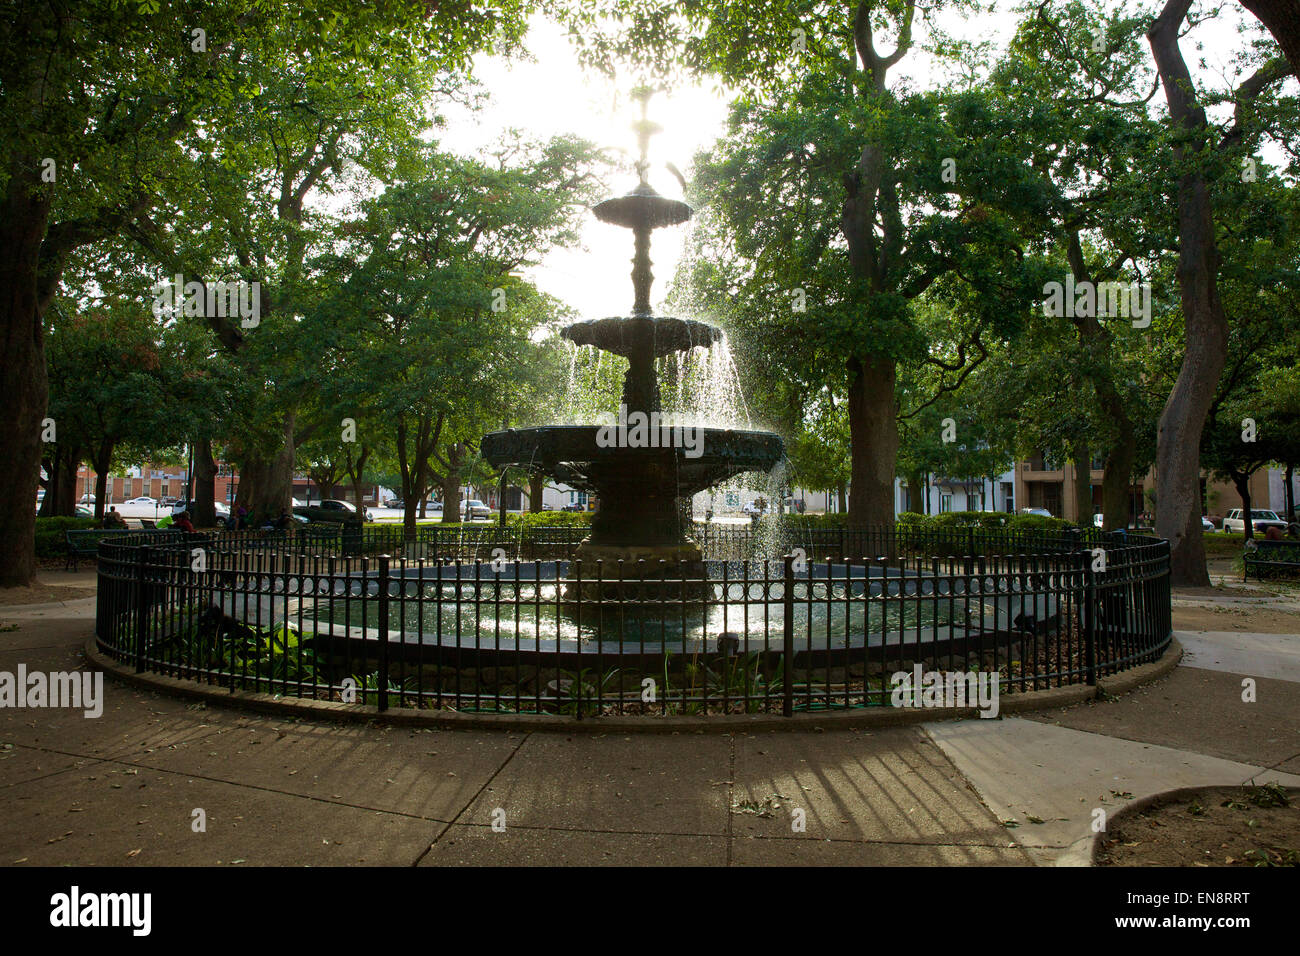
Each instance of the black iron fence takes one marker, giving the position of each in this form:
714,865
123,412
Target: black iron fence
499,620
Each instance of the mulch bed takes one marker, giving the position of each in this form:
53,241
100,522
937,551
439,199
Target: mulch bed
1211,826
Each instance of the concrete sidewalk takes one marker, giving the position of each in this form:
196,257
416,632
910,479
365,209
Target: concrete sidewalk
127,788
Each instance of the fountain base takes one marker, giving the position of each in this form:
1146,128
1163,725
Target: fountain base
638,574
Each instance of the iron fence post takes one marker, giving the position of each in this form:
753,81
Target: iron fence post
141,607
1089,619
787,677
383,633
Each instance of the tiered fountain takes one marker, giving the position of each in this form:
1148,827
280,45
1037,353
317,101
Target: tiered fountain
640,489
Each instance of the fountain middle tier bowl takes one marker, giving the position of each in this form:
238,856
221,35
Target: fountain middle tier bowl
691,458
650,335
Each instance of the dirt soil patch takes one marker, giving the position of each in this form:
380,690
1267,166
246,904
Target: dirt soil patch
1212,826
43,594
1245,618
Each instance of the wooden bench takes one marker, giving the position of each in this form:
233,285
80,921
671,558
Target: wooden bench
84,542
1282,556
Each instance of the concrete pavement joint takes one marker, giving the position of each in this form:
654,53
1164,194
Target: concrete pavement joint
230,783
52,773
469,803
789,838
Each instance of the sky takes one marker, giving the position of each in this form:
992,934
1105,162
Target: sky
552,94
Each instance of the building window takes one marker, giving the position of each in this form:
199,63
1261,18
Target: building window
945,504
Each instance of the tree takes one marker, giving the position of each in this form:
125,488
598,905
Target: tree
116,387
1181,424
427,324
104,102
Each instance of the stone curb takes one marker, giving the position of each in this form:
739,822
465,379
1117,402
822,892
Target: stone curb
278,706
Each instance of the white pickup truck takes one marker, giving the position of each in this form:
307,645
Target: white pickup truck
1260,521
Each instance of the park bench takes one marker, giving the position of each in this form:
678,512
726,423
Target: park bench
318,535
84,542
1280,556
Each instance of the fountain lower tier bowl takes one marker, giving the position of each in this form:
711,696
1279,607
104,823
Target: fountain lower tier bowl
687,460
651,335
640,489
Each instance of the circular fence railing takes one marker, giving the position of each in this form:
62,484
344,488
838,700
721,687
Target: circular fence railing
498,621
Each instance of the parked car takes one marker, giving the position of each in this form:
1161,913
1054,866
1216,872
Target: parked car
84,512
1260,520
1043,512
143,501
338,504
473,508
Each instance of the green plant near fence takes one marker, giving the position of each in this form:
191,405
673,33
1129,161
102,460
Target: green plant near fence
279,653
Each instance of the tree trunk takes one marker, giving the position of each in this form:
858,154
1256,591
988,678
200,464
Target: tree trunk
1282,18
203,508
24,214
1119,458
1178,440
1116,482
356,471
873,437
266,482
451,496
1242,484
914,493
101,461
61,486
536,490
1289,492
1082,484
842,492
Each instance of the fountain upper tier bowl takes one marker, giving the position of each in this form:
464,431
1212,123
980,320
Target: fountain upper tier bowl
642,209
655,336
571,454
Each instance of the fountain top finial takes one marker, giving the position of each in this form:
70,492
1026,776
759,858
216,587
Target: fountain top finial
644,129
642,208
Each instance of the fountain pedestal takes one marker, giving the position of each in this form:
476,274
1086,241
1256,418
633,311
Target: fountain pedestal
639,482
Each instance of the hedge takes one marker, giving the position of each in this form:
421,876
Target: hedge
50,541
991,520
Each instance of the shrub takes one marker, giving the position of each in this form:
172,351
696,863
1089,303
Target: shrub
550,519
1039,523
50,542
